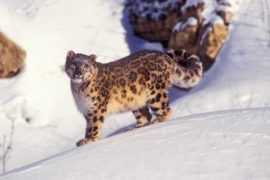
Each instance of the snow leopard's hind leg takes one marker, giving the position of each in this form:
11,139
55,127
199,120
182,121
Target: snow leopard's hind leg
142,116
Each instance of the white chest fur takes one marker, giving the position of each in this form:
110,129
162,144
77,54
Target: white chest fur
83,103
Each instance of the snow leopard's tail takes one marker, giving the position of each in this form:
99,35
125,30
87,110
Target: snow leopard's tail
190,69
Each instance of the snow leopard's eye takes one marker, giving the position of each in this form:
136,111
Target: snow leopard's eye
73,66
86,66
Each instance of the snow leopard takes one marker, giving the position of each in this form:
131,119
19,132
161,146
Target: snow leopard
137,83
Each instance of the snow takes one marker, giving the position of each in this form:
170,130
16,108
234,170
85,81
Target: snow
200,141
192,3
180,25
205,146
154,9
229,2
225,8
211,7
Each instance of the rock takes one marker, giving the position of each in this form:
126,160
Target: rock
225,12
226,16
168,21
184,34
211,42
159,30
12,57
193,11
154,20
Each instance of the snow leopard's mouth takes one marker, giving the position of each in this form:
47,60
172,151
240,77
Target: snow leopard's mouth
77,78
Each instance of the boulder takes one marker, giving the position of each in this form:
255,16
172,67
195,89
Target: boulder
12,57
158,30
225,12
226,16
194,25
211,42
184,34
154,20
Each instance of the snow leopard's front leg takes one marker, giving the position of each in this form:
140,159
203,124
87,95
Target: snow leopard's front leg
94,118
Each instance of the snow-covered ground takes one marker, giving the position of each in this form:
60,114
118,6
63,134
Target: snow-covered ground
231,144
220,145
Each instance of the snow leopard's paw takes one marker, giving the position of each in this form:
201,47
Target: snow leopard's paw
84,141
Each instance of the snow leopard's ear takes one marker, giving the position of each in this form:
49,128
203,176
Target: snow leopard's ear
70,54
92,57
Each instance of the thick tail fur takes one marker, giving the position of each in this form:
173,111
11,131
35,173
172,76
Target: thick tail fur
190,69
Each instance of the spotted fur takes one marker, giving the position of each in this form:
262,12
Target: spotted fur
138,82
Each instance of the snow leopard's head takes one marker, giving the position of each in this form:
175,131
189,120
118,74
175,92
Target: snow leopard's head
79,67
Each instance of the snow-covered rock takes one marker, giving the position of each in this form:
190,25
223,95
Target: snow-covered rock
184,24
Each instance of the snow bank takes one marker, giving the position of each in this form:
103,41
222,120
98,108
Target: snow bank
220,145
